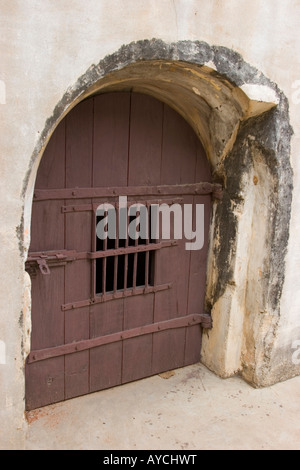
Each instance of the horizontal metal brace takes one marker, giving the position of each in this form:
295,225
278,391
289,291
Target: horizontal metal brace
203,320
53,258
98,299
46,259
141,191
132,249
93,206
60,255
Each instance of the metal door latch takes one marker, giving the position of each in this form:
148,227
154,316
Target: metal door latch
44,268
46,259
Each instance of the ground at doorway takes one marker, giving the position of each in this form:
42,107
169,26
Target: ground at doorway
189,409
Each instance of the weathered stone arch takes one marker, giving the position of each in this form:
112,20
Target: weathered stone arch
242,120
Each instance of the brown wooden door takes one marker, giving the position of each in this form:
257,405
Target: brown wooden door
109,312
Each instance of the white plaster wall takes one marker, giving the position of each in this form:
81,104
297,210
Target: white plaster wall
45,45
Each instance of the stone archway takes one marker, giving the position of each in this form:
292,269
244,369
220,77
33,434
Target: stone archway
242,120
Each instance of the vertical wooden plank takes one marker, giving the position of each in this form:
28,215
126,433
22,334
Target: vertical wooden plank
47,226
44,382
106,361
105,366
179,150
197,284
168,346
168,350
51,171
47,316
166,305
45,379
179,157
126,258
138,311
145,140
77,324
182,268
198,265
137,352
48,234
197,281
77,364
104,265
78,227
111,127
77,287
79,145
110,167
116,258
147,255
135,259
193,341
115,273
76,374
144,169
78,236
47,222
78,273
106,318
137,358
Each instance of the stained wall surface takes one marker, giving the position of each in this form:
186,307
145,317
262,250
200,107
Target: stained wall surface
45,46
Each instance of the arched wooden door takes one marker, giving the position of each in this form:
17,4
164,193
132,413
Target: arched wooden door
113,311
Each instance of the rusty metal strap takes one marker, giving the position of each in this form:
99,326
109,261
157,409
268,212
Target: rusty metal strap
72,255
132,249
51,256
181,322
93,206
45,260
163,190
116,295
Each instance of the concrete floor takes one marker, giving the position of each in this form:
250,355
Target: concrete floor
192,409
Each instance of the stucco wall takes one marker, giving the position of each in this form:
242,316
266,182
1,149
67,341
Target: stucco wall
45,46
